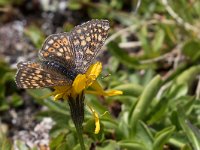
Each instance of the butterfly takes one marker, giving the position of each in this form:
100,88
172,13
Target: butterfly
63,56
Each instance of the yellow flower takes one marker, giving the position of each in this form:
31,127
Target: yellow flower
80,84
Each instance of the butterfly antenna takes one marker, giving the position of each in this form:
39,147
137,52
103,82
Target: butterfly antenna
105,76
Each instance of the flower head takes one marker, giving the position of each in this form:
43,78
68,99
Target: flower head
82,82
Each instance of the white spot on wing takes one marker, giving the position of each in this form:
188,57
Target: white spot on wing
50,41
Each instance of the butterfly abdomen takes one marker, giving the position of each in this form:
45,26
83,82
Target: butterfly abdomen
56,66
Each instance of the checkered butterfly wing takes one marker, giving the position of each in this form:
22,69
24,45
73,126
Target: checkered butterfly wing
87,39
57,47
33,75
64,54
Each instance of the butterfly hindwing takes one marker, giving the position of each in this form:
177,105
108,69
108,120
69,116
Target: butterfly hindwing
32,75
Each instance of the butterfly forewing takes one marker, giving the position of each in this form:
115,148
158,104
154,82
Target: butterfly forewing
57,47
87,39
32,75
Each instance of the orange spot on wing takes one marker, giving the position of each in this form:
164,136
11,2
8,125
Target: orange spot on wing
46,54
50,49
56,45
65,41
60,42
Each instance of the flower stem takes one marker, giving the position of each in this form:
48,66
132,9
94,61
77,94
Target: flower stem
79,131
77,114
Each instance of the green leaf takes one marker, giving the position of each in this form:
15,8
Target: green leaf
35,35
146,78
60,118
143,34
57,106
39,93
192,49
74,5
113,64
191,131
144,135
131,145
179,140
95,103
157,112
162,137
101,10
108,145
4,106
142,105
130,89
5,144
158,40
188,75
16,100
5,2
177,90
10,2
123,131
179,70
196,138
62,146
122,55
57,141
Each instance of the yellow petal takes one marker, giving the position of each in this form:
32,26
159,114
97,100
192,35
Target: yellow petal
58,96
93,72
96,119
105,93
97,87
94,69
112,93
79,83
97,123
61,92
98,90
